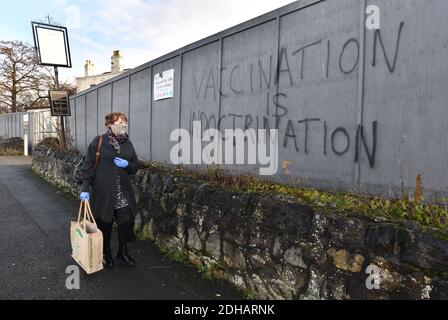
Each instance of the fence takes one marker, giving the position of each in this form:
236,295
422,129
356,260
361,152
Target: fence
357,109
41,125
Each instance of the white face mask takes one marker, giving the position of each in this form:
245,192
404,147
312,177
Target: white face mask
119,128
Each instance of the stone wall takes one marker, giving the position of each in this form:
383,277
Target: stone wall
11,146
272,246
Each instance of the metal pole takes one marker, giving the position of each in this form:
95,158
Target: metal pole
56,73
25,143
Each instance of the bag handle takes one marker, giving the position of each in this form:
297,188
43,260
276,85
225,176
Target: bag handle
90,212
98,150
88,216
79,214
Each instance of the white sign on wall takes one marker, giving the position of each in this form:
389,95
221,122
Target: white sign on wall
164,85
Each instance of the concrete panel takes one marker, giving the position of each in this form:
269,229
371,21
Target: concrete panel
7,125
11,125
120,100
16,126
248,80
70,121
201,87
91,116
81,124
2,126
406,92
318,91
140,115
165,114
104,106
20,132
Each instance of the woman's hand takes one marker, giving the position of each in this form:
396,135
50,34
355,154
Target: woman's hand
85,196
122,163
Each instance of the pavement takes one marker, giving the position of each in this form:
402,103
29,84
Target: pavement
35,251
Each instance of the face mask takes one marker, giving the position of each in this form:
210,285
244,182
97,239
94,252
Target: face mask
119,128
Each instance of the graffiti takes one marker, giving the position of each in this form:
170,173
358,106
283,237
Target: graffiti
294,133
307,134
260,75
379,39
346,45
289,132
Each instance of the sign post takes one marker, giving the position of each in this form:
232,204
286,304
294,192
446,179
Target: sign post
25,134
56,76
52,49
59,103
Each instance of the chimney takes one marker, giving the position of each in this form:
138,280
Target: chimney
116,64
89,68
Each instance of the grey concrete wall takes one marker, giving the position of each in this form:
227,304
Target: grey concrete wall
91,116
70,122
357,109
104,106
81,140
140,113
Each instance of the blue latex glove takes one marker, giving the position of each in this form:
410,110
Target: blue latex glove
122,163
85,196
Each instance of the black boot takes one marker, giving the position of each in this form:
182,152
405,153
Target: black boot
106,228
123,256
108,261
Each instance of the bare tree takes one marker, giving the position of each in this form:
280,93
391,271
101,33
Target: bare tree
50,80
23,82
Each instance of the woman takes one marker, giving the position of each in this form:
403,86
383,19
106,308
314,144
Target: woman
111,194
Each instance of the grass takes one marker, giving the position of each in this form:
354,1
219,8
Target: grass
11,152
249,295
145,234
375,207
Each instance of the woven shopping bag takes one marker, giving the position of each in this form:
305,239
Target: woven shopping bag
87,240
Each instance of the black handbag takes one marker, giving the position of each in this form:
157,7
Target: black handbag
77,175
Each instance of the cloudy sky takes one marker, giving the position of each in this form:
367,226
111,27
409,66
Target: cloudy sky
141,29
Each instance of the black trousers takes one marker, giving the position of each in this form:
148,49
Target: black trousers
125,222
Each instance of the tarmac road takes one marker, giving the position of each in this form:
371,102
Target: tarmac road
35,251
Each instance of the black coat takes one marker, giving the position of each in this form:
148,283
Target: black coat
101,182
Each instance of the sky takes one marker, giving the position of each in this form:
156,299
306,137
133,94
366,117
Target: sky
141,29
